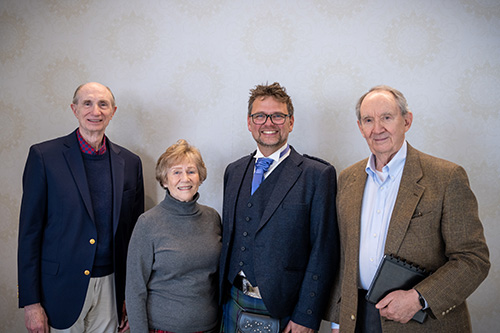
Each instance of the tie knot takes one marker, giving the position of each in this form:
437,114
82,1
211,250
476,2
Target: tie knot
263,164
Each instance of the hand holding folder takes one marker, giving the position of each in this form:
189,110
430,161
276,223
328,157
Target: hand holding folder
395,274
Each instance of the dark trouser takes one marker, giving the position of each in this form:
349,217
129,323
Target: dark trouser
236,302
368,316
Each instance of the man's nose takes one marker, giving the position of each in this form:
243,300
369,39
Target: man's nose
378,126
95,109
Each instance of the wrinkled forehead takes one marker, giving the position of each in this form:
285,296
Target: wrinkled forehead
94,91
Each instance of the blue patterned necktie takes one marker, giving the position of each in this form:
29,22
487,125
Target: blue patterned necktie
261,166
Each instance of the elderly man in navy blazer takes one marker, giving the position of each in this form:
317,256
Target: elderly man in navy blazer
280,237
82,195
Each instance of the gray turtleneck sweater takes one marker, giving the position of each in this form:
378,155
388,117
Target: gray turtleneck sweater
172,265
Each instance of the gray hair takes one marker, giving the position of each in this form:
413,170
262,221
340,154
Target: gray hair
398,97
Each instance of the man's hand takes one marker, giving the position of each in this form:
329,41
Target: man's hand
124,326
35,319
296,328
400,305
335,330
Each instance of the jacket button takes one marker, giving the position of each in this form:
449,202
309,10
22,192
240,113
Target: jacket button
315,277
353,317
86,272
309,311
312,294
92,241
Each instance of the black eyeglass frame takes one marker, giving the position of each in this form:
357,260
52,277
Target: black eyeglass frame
270,116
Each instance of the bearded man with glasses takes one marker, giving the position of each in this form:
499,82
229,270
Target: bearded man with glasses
280,237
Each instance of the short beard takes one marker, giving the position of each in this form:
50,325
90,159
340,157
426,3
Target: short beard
278,144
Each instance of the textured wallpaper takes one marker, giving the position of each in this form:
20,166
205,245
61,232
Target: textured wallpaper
183,69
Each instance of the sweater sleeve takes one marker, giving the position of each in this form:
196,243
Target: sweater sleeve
139,267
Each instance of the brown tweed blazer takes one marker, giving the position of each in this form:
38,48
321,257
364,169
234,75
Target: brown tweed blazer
435,224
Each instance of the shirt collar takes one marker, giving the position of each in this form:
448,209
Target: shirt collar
392,169
277,155
86,148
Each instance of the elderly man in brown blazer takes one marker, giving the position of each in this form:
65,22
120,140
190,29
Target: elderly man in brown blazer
420,208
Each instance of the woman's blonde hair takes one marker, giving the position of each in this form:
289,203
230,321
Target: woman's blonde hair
176,153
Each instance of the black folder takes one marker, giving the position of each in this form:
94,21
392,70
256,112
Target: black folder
392,274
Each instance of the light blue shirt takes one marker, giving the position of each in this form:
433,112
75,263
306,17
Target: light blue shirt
381,190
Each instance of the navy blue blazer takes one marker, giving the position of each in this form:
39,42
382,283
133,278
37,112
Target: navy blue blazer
296,244
57,229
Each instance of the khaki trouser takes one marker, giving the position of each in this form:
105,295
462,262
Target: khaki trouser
99,309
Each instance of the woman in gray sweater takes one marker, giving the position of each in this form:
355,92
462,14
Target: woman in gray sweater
173,254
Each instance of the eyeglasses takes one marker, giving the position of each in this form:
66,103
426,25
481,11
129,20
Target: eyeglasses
276,118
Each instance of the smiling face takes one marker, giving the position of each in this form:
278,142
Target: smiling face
94,109
383,126
183,180
269,137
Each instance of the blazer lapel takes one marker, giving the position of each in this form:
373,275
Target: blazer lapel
286,180
74,159
407,200
117,174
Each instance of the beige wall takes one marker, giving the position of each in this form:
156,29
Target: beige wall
182,69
